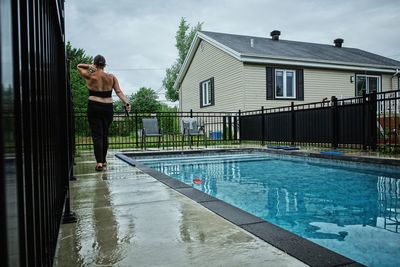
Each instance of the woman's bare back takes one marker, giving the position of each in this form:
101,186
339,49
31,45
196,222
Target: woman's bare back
100,81
97,80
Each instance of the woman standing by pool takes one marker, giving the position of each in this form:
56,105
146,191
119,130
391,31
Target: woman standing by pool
100,105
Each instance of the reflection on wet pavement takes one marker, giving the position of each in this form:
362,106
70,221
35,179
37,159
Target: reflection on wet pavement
127,218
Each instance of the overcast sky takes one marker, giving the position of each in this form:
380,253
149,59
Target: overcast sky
138,37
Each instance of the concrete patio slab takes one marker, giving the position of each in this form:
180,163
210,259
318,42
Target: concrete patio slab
127,218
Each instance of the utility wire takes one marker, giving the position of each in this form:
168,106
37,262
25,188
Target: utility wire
134,69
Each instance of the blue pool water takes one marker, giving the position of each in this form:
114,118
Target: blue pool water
353,209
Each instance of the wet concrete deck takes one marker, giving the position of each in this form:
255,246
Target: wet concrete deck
127,218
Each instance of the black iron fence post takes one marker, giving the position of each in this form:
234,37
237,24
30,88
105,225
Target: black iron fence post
240,125
373,116
224,128
230,128
262,126
71,122
363,119
335,122
69,216
235,127
189,136
293,126
136,130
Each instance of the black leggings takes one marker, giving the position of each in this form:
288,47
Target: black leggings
100,116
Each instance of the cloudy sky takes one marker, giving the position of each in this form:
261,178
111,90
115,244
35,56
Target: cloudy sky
138,37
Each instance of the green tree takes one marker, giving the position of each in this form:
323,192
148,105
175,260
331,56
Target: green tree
166,108
79,91
184,39
145,101
118,106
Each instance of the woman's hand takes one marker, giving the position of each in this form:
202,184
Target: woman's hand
92,69
128,107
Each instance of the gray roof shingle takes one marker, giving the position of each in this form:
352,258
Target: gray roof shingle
266,47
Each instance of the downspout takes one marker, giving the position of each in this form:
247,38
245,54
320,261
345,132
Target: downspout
398,79
396,73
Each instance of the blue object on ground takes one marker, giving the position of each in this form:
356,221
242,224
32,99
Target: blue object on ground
215,135
336,153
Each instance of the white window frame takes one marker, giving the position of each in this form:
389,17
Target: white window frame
284,84
206,93
367,84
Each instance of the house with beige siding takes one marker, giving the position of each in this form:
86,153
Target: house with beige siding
227,72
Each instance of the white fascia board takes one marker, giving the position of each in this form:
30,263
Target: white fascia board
192,50
318,64
224,48
188,59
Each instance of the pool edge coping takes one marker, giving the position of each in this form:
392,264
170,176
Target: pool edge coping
298,247
390,162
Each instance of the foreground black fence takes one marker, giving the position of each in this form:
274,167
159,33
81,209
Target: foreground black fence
35,151
368,122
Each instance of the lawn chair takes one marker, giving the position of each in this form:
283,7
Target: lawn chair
191,128
151,129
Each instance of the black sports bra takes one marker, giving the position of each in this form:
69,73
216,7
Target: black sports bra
102,94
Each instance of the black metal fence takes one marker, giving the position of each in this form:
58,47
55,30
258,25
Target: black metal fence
368,122
35,154
388,120
220,128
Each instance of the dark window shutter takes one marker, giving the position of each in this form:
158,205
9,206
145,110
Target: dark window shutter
212,91
270,83
201,95
300,85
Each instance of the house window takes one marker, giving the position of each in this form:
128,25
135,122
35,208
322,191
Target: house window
367,84
285,84
207,93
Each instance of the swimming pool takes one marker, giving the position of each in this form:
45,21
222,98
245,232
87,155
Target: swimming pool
350,208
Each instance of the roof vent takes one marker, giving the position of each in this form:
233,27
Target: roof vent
338,42
251,42
275,35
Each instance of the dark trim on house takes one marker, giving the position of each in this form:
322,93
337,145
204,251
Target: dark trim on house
201,95
299,84
270,82
212,93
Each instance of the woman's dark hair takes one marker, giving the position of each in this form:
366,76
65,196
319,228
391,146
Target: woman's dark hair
99,61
